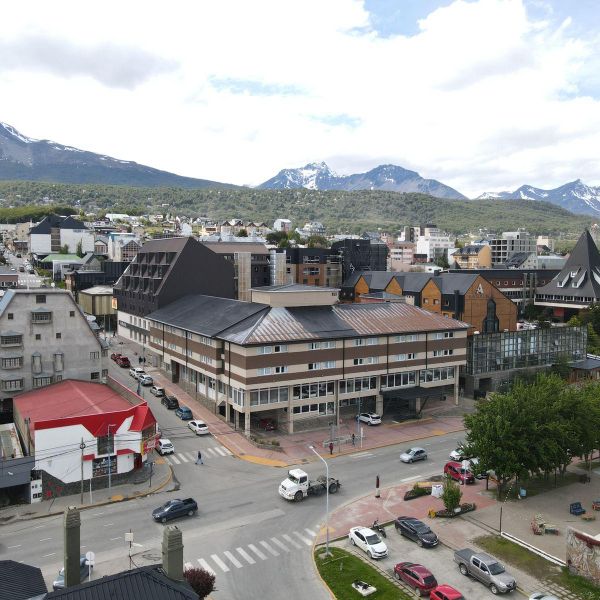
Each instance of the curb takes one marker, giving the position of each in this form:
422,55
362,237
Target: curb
134,496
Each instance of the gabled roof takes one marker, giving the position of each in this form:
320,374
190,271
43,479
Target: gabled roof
580,277
517,259
50,222
471,250
19,581
143,583
452,282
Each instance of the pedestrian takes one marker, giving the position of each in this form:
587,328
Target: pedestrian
353,440
330,448
199,459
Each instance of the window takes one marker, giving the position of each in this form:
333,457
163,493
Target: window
104,373
95,376
38,336
358,361
57,378
359,342
40,299
443,335
372,360
321,345
405,356
106,443
445,352
264,350
11,385
372,341
282,369
314,366
280,348
264,371
11,340
41,381
58,335
406,338
12,363
94,355
59,359
10,316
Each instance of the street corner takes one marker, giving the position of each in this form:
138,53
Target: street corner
266,462
160,460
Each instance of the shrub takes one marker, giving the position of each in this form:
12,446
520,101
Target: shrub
201,581
451,494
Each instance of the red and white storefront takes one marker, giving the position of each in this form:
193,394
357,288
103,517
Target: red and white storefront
56,421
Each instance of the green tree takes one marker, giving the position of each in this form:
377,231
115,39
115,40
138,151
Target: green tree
442,261
451,494
64,249
276,237
79,250
317,241
242,233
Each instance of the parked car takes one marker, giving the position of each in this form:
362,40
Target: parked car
369,418
458,454
476,468
175,508
368,541
184,413
267,424
123,361
417,576
135,372
413,454
170,402
22,269
199,427
115,356
446,592
165,446
455,471
145,379
157,391
84,573
486,569
31,271
416,531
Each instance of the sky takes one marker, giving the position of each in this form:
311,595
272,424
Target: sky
483,95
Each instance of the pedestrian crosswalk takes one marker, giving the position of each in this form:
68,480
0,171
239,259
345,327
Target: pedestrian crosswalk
186,457
262,550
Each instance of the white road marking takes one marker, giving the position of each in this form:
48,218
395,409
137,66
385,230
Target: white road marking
280,544
107,524
37,527
219,451
268,548
17,546
51,554
113,539
191,456
361,455
246,556
302,538
211,452
45,539
227,451
233,559
220,563
97,514
175,460
410,478
205,566
182,457
257,552
287,538
167,459
311,533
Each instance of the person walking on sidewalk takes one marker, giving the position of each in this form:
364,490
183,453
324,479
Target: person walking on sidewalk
330,448
353,440
199,459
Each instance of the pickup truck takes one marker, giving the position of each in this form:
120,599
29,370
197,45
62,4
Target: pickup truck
297,485
486,569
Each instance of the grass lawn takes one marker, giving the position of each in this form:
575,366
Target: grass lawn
541,569
341,569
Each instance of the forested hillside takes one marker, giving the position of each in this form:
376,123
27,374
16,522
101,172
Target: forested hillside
350,212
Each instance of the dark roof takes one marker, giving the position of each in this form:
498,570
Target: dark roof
143,583
52,221
471,250
517,259
233,247
19,581
206,315
174,244
452,282
588,364
580,277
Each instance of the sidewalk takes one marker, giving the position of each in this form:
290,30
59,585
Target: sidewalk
294,448
161,477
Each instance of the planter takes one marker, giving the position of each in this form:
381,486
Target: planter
417,493
461,510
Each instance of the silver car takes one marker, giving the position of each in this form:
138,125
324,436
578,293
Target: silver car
413,454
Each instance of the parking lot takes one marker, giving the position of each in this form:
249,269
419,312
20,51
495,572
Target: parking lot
439,560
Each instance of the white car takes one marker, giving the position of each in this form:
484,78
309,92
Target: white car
145,379
165,446
458,454
157,391
370,418
136,372
413,454
366,539
198,427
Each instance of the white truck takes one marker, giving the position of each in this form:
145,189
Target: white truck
297,485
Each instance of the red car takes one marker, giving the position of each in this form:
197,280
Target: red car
123,361
455,471
417,576
267,424
446,592
115,356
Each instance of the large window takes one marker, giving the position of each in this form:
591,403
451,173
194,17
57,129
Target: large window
12,385
441,374
269,396
350,386
12,363
399,380
11,340
313,390
320,408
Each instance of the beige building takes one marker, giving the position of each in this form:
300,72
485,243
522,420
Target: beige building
98,302
475,256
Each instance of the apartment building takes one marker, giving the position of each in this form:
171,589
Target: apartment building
306,366
164,270
511,242
402,256
54,232
314,266
45,338
474,256
360,255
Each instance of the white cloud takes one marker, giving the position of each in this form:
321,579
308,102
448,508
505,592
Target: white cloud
481,98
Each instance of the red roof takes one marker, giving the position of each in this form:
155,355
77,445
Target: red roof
72,402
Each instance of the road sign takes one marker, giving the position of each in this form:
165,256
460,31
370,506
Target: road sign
90,557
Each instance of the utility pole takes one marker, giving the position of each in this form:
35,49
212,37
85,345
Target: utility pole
27,422
81,447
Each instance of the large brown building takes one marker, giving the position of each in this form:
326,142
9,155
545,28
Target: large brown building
467,297
307,366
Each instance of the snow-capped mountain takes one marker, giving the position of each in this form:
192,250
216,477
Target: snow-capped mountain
318,176
22,157
575,196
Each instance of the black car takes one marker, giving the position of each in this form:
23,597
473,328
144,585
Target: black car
175,508
170,402
417,531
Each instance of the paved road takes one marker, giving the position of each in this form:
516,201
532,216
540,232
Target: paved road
25,279
257,543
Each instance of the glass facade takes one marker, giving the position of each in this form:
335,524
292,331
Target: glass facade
521,349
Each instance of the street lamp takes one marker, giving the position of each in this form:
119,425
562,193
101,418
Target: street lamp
327,553
110,448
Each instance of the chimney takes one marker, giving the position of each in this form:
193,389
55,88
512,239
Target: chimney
72,523
172,553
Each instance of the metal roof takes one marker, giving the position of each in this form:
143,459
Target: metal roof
19,581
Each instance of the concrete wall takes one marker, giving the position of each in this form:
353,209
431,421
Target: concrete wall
71,238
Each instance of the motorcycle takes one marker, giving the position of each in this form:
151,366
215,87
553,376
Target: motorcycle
378,528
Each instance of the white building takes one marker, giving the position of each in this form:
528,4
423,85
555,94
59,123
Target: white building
282,225
54,232
115,431
434,243
123,247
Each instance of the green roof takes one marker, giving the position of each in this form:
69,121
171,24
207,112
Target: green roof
71,257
